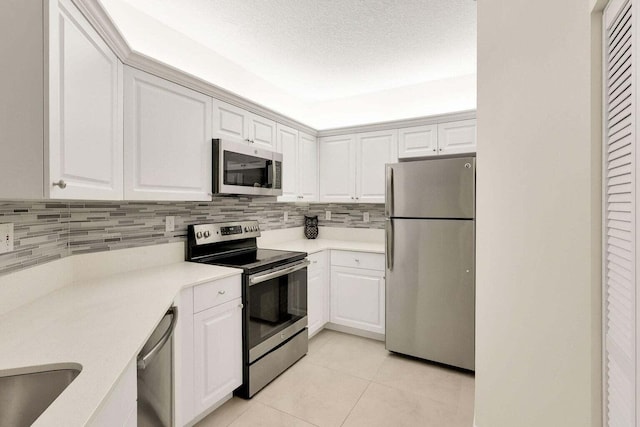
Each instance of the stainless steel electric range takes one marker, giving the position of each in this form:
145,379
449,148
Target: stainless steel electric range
274,294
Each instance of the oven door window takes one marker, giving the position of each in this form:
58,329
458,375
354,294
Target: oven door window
247,171
276,304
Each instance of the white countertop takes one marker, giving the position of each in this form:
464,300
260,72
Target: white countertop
102,320
99,323
317,245
346,239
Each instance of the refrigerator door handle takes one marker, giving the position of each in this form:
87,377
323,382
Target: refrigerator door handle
388,206
389,240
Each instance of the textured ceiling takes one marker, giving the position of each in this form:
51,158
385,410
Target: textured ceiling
327,49
326,63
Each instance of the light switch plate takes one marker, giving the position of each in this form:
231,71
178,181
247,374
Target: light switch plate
6,238
170,223
365,217
327,215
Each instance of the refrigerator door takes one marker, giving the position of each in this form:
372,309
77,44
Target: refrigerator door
438,188
430,290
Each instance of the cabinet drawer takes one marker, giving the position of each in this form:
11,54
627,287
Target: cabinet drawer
318,260
216,293
366,260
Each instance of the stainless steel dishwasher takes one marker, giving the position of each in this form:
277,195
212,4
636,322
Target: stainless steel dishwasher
155,375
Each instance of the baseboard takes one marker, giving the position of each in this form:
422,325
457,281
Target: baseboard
355,331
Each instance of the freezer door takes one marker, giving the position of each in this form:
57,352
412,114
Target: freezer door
438,188
430,290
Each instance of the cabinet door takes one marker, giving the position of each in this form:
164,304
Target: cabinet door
229,121
262,132
85,110
457,137
375,150
357,298
218,353
308,167
337,168
317,293
167,140
288,146
418,141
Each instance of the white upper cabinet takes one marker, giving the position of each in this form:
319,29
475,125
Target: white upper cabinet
85,110
262,132
300,165
229,121
62,89
374,151
352,166
457,137
338,168
308,167
167,150
233,122
433,140
418,141
288,145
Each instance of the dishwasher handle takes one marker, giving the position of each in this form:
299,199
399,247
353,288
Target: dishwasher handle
143,361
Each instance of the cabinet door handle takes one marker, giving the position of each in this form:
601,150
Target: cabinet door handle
60,184
222,292
240,305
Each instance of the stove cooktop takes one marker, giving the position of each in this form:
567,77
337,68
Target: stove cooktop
254,259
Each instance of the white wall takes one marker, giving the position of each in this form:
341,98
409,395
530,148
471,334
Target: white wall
538,220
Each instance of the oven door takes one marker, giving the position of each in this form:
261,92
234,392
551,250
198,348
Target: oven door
243,169
276,307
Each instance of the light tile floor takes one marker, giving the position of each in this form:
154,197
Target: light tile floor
355,382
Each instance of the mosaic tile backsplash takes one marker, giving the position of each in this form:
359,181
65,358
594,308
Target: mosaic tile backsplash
49,230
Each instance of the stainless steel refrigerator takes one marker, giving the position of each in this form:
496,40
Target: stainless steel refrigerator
430,260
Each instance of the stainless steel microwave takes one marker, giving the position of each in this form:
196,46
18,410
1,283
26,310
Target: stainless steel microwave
239,168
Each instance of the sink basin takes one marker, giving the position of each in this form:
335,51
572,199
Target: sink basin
25,393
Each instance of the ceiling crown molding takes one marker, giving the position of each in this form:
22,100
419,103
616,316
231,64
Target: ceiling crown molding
106,28
399,124
102,23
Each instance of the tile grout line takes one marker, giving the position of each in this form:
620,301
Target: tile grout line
239,415
286,413
356,404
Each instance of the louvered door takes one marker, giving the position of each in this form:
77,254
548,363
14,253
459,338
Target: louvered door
619,258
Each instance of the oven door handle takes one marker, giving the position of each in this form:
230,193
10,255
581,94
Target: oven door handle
254,280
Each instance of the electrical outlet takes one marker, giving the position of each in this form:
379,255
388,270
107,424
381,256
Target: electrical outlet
327,215
6,238
365,217
286,216
170,224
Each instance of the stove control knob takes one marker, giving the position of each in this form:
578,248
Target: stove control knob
246,229
199,235
207,234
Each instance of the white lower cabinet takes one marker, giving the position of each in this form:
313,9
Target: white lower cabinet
218,353
120,408
357,293
317,292
208,347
